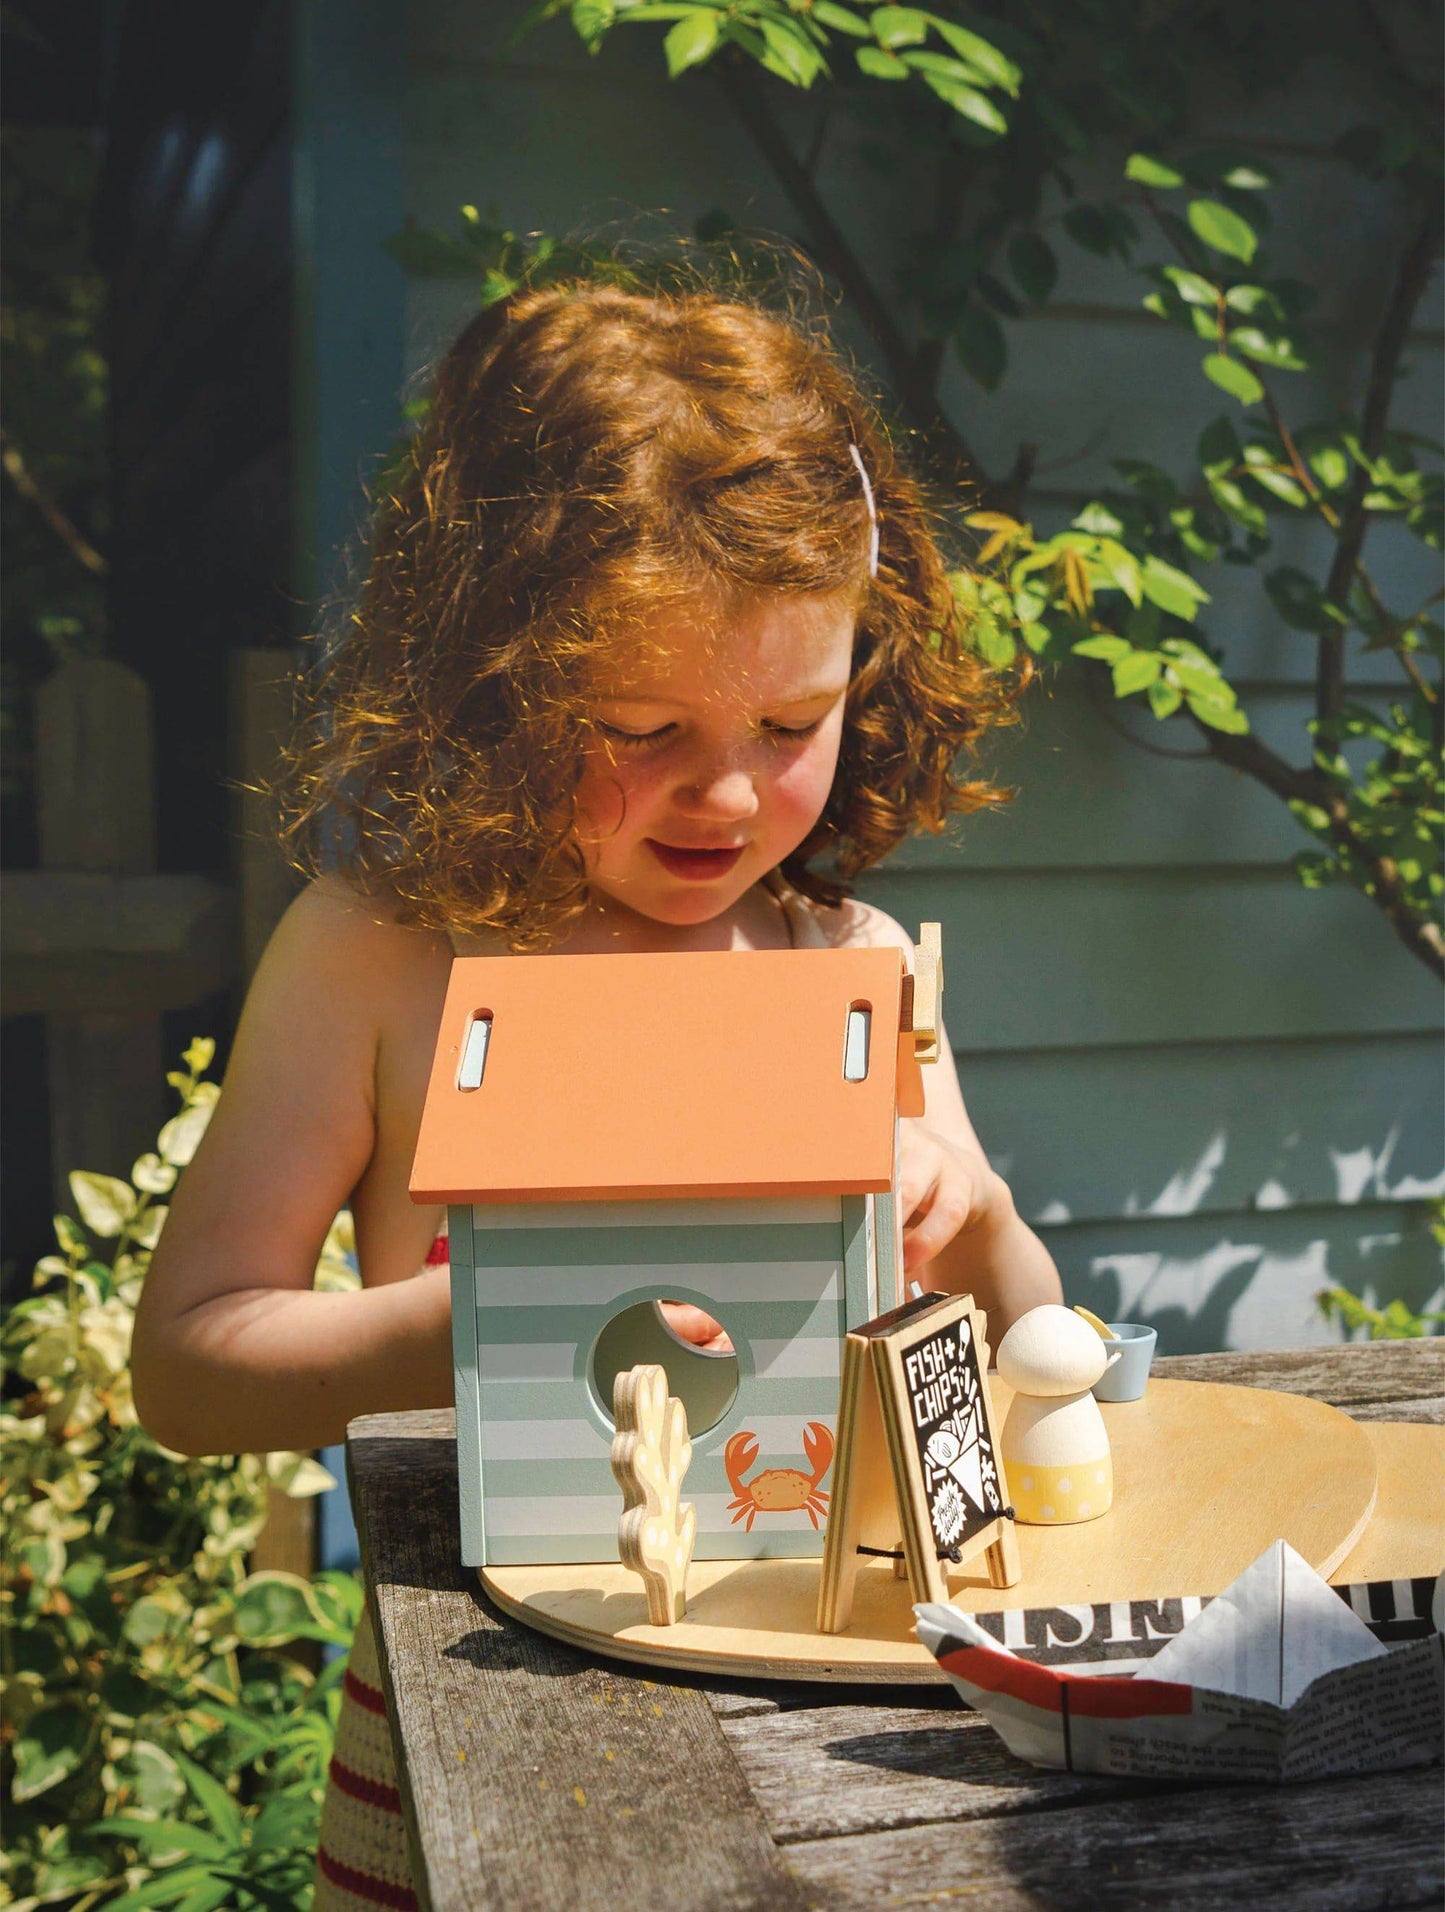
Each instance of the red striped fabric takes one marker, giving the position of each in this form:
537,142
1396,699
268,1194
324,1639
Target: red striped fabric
371,1792
365,1885
368,1696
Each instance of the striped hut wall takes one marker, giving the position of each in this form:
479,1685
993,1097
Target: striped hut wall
533,1287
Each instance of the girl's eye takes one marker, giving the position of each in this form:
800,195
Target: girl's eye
631,739
640,739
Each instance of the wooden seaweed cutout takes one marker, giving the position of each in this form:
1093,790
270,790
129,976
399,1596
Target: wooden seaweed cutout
650,1455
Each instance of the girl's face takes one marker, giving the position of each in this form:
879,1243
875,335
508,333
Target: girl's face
711,759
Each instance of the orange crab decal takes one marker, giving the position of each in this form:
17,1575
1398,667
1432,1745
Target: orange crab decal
779,1490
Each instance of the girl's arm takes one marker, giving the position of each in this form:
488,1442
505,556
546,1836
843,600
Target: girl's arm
962,1232
233,1350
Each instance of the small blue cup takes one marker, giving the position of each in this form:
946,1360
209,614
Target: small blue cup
1124,1379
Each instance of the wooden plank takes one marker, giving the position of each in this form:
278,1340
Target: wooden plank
1076,958
1344,1847
832,1771
525,1768
1357,1378
116,943
1211,1128
1248,1280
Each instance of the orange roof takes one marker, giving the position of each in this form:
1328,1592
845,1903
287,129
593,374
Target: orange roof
692,1075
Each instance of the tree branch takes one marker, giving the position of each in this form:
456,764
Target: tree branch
946,451
59,520
1420,934
1411,279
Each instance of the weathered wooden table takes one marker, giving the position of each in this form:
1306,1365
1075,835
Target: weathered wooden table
533,1776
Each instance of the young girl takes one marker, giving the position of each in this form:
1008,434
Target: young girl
653,620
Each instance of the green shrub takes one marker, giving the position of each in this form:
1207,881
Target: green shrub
161,1747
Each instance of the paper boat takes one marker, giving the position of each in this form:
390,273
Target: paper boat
1275,1680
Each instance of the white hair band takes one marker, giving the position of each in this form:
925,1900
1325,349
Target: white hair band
857,458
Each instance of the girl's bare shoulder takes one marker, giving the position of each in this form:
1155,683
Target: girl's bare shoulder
355,939
853,924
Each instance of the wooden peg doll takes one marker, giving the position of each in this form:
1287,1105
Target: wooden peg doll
1055,1447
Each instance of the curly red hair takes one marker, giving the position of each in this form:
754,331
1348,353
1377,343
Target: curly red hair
592,456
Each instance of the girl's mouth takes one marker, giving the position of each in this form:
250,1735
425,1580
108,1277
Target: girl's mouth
695,865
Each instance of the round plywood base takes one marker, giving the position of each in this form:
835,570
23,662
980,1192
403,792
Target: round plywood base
1205,1476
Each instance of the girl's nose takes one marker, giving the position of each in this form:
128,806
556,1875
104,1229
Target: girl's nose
723,789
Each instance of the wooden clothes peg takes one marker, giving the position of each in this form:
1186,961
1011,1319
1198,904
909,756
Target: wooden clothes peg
927,991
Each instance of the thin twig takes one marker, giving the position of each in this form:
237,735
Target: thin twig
54,514
1420,933
1411,279
944,444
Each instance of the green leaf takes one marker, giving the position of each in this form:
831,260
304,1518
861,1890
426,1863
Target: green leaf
1110,649
1233,377
1280,485
981,346
105,1204
1136,672
1152,172
996,67
1222,229
1122,568
1172,590
790,53
272,1608
1233,501
899,26
153,1777
1165,699
691,41
1087,226
181,1136
1265,349
969,102
164,1888
1226,717
163,1835
840,19
1034,265
1299,601
998,296
879,65
48,1748
1192,287
213,1799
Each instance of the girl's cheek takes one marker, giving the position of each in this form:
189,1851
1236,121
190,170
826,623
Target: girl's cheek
611,793
805,785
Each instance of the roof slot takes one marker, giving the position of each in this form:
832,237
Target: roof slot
474,1050
856,1042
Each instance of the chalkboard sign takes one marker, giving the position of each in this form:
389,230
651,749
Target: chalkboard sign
917,1454
949,1422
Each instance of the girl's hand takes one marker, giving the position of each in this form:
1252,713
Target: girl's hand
942,1190
691,1324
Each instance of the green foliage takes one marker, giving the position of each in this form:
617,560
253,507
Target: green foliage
161,1745
1394,1322
1020,99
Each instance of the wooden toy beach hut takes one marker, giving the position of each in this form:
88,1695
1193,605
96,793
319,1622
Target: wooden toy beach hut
611,1131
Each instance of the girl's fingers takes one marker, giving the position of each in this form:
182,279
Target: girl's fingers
695,1326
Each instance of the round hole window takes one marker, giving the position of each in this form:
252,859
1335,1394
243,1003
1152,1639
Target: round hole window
704,1378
